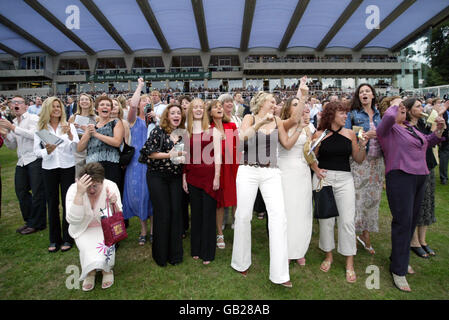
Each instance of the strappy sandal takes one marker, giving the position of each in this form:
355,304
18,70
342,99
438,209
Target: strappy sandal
89,281
220,242
350,276
401,283
325,265
369,249
108,280
142,240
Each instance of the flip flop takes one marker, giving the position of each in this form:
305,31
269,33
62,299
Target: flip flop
108,280
350,276
325,265
369,249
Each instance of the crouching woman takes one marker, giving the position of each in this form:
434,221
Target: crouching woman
86,203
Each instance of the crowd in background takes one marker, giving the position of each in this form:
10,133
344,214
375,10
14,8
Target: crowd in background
367,143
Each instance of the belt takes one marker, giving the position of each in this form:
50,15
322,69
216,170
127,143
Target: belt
258,165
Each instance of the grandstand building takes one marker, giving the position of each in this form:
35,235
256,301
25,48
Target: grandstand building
52,47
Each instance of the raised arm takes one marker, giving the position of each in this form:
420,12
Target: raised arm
302,94
135,101
387,122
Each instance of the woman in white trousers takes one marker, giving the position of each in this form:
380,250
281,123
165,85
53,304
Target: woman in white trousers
261,134
333,155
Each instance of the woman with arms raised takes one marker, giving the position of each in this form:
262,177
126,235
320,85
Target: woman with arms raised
406,170
136,198
261,133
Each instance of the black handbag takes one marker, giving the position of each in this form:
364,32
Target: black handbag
126,154
325,206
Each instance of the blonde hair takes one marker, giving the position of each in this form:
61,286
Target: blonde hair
258,100
120,108
204,121
91,107
385,104
47,108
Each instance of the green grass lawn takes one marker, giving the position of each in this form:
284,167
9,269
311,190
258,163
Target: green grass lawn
27,271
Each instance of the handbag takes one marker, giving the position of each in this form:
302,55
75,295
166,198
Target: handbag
325,206
126,154
113,226
309,156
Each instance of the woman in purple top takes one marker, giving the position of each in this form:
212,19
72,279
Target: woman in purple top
405,172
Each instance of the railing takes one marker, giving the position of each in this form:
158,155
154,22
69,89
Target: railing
319,60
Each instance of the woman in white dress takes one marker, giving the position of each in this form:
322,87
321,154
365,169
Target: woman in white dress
297,183
86,203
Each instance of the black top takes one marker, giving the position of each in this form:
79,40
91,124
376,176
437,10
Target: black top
262,148
334,152
430,158
159,141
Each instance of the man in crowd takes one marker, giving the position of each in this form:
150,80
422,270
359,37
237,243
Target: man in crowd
240,109
70,107
158,108
36,107
20,136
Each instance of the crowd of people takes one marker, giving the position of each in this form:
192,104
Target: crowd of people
194,157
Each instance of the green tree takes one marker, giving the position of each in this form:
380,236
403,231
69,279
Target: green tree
438,54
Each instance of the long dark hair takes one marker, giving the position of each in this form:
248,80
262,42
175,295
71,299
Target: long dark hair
408,104
355,102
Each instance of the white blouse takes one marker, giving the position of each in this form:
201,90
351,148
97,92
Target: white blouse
62,156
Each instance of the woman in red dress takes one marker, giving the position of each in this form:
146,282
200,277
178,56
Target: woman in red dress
229,166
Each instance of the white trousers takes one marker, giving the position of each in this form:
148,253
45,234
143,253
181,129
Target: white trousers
342,184
249,179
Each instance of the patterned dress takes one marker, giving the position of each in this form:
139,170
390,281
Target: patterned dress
136,198
368,182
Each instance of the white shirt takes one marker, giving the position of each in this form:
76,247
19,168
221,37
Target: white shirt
158,109
62,156
22,138
237,121
315,109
